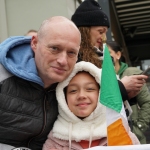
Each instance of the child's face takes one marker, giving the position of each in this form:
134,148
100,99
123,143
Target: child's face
82,94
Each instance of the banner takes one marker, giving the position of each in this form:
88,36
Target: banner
126,147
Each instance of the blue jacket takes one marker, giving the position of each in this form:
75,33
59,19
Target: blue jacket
27,110
17,57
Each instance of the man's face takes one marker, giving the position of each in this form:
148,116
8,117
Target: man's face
82,94
56,54
98,33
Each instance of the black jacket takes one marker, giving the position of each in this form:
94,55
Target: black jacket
28,112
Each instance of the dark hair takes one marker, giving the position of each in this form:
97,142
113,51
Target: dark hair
114,46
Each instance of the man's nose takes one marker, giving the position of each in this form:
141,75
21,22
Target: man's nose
62,59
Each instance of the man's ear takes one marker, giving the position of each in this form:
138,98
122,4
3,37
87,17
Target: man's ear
34,43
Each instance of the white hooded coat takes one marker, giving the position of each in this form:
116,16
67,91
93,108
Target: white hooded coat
68,129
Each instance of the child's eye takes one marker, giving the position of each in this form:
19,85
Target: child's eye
72,91
90,89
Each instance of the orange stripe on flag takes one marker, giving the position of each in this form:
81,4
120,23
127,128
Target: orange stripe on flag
118,134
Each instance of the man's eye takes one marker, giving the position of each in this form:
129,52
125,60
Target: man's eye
54,50
72,54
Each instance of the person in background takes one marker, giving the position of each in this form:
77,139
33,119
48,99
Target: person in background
140,104
30,68
93,24
31,33
81,122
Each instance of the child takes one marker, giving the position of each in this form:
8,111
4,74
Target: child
81,121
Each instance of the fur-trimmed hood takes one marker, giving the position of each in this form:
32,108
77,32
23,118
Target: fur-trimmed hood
70,127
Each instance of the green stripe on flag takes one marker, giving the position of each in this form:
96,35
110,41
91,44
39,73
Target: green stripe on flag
109,92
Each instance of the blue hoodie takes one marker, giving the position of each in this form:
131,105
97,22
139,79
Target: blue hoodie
17,57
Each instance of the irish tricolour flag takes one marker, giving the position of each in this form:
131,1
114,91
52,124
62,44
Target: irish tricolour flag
117,124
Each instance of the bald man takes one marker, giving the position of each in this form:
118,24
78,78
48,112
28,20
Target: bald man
30,70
